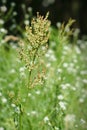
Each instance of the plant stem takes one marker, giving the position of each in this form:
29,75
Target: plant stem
20,118
33,63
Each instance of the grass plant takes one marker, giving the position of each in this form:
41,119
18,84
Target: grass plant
43,79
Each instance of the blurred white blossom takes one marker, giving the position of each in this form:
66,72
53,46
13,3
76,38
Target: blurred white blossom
62,105
46,3
1,21
3,8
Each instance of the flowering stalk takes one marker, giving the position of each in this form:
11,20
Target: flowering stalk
33,48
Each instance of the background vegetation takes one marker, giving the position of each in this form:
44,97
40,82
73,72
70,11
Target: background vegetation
43,72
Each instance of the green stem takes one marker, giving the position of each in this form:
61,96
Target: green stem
33,63
20,119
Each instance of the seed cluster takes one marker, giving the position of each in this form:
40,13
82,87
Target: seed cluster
33,47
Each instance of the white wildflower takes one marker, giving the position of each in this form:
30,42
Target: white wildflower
4,100
81,100
73,88
29,94
52,58
85,81
56,128
28,114
70,118
14,13
33,112
48,65
22,69
38,92
62,105
0,94
1,21
53,44
46,3
82,121
65,86
58,24
29,9
13,105
83,72
65,65
3,8
59,70
13,4
23,6
66,48
1,128
3,30
46,119
12,71
60,97
76,32
78,51
26,22
17,110
4,1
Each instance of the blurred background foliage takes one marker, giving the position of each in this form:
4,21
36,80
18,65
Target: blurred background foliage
61,102
60,11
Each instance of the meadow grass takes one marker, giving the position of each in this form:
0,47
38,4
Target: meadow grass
59,101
